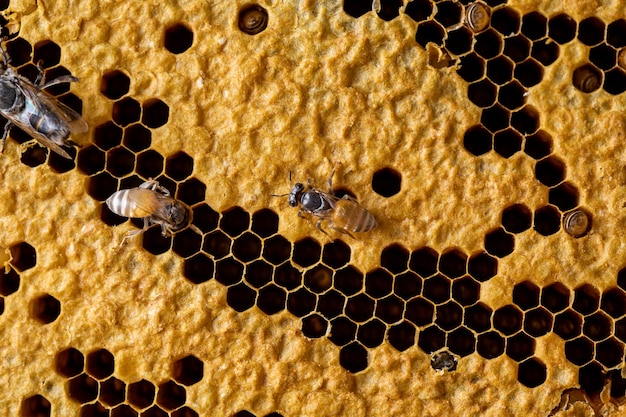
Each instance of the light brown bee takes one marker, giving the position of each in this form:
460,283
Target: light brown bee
577,223
152,202
477,17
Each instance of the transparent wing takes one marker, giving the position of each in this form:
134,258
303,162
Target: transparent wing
148,203
46,103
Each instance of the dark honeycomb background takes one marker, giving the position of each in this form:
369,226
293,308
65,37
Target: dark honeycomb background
416,296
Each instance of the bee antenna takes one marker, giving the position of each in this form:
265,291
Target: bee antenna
280,195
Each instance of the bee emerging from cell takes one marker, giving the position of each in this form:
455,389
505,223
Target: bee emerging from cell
29,107
344,215
152,202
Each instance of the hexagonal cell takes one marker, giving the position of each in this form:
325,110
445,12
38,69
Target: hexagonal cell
264,222
490,345
288,277
537,322
500,70
499,243
507,319
564,196
69,362
526,295
155,113
431,339
171,395
228,271
615,81
516,218
471,67
579,351
586,299
547,220
610,352
452,263
23,256
123,410
353,357
120,162
372,333
277,249
420,311
83,388
112,391
259,273
35,406
188,370
466,291
100,364
336,254
459,41
538,145
154,411
318,279
49,75
378,283
506,20
45,308
525,120
555,297
137,138
387,182
495,118
603,56
520,347
616,33
178,38
390,309
126,111
488,44
314,326
591,378
217,244
301,302
149,164
141,394
561,28
240,297
187,243
512,96
114,84
591,31
407,285
618,384
389,9
614,302
395,258
401,336
247,247
9,282
461,342
597,326
429,32
478,140
449,315
60,164
478,317
417,10
482,266
306,252
360,308
356,8
532,373
33,156
91,160
517,48
545,51
331,304
448,13
534,25
271,299
342,331
482,93
529,73
437,289
47,54
348,280
568,324
179,166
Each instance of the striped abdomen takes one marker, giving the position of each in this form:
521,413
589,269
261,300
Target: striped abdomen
136,202
349,215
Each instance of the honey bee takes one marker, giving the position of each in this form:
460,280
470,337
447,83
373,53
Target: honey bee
344,215
152,202
27,106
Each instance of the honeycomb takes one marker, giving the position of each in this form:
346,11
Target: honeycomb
484,136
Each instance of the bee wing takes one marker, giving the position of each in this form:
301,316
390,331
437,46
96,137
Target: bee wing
149,202
44,102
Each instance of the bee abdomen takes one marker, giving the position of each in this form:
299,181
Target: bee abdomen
48,126
120,203
363,221
353,218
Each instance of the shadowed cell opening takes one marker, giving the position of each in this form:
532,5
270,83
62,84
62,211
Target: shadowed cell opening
35,406
45,309
178,38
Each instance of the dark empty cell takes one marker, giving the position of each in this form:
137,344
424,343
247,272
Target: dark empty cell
507,319
482,266
520,347
47,54
568,324
555,297
579,351
90,160
301,302
149,164
120,162
614,302
488,44
178,38
506,21
550,171
437,289
591,31
621,278
616,33
306,252
407,285
318,279
477,140
179,166
34,156
490,345
532,373
19,50
378,283
246,247
217,244
431,339
53,74
45,309
35,406
171,395
199,268
271,299
187,243
478,317
587,78
618,384
155,113
154,411
264,222
126,111
23,256
471,67
137,138
9,282
342,331
429,31
517,48
466,291
561,28
112,391
331,304
534,25
235,221
424,261
482,93
389,9
188,370
507,142
449,315
390,309
603,56
100,364
401,336
597,326
448,13
500,70
335,254
615,81
287,276
395,258
141,394
453,263
529,73
191,191
591,378
419,311
461,342
417,10
101,186
69,362
459,41
115,84
526,295
228,271
123,410
495,118
537,322
516,218
547,220
538,145
83,388
277,249
360,308
353,357
545,51
386,182
499,243
356,8
107,135
586,299
1,305
610,352
348,280
372,333
240,297
565,196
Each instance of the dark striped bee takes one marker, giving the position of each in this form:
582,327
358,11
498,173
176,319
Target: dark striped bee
27,106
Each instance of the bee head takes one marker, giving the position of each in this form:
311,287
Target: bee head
178,215
295,194
7,94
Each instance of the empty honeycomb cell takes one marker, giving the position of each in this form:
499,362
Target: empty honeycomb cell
154,411
126,111
616,33
94,410
360,308
565,196
301,302
154,242
187,243
478,317
495,118
188,370
390,309
529,73
91,160
184,412
419,311
538,145
1,306
603,56
499,243
407,285
448,13
437,289
395,258
550,171
314,326
389,9
545,51
517,48
534,25
178,38
555,297
120,162
568,324
547,220
429,31
597,326
538,322
335,254
507,319
417,10
23,256
618,384
449,315
287,276
112,391
34,156
431,339
35,406
240,297
615,81
482,93
259,273
179,166
353,357
610,352
306,252
356,8
516,218
107,136
490,345
586,299
348,280
506,20
500,70
47,54
141,394
115,84
520,347
53,74
318,279
591,31
246,247
378,283
471,67
277,249
137,138
264,222
149,164
45,308
271,299
621,278
69,362
155,113
234,221
614,302
591,378
9,282
191,191
488,44
507,142
532,372
372,333
579,351
199,268
401,336
453,263
459,41
171,395
561,28
100,364
83,388
482,266
526,295
342,331
477,140
204,217
123,410
466,291
72,101
386,182
228,271
19,50
461,342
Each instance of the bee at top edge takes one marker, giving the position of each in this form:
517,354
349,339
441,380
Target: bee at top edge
154,204
29,107
344,215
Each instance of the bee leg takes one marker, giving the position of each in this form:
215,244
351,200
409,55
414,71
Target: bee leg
318,225
62,79
344,231
5,134
39,79
330,182
150,184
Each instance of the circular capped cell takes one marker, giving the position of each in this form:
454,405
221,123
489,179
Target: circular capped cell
69,362
482,93
35,406
378,283
188,370
507,142
45,308
353,357
246,247
565,196
171,395
452,263
259,273
587,78
342,331
478,317
264,222
301,302
490,345
407,285
306,252
360,308
126,111
178,38
314,326
271,299
115,84
386,182
429,32
331,304
348,280
240,297
395,258
568,324
276,249
155,113
100,363
550,171
507,319
318,279
401,336
520,347
532,372
179,166
431,339
420,311
591,31
390,309
336,254
372,333
482,266
477,16
478,140
561,28
506,20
